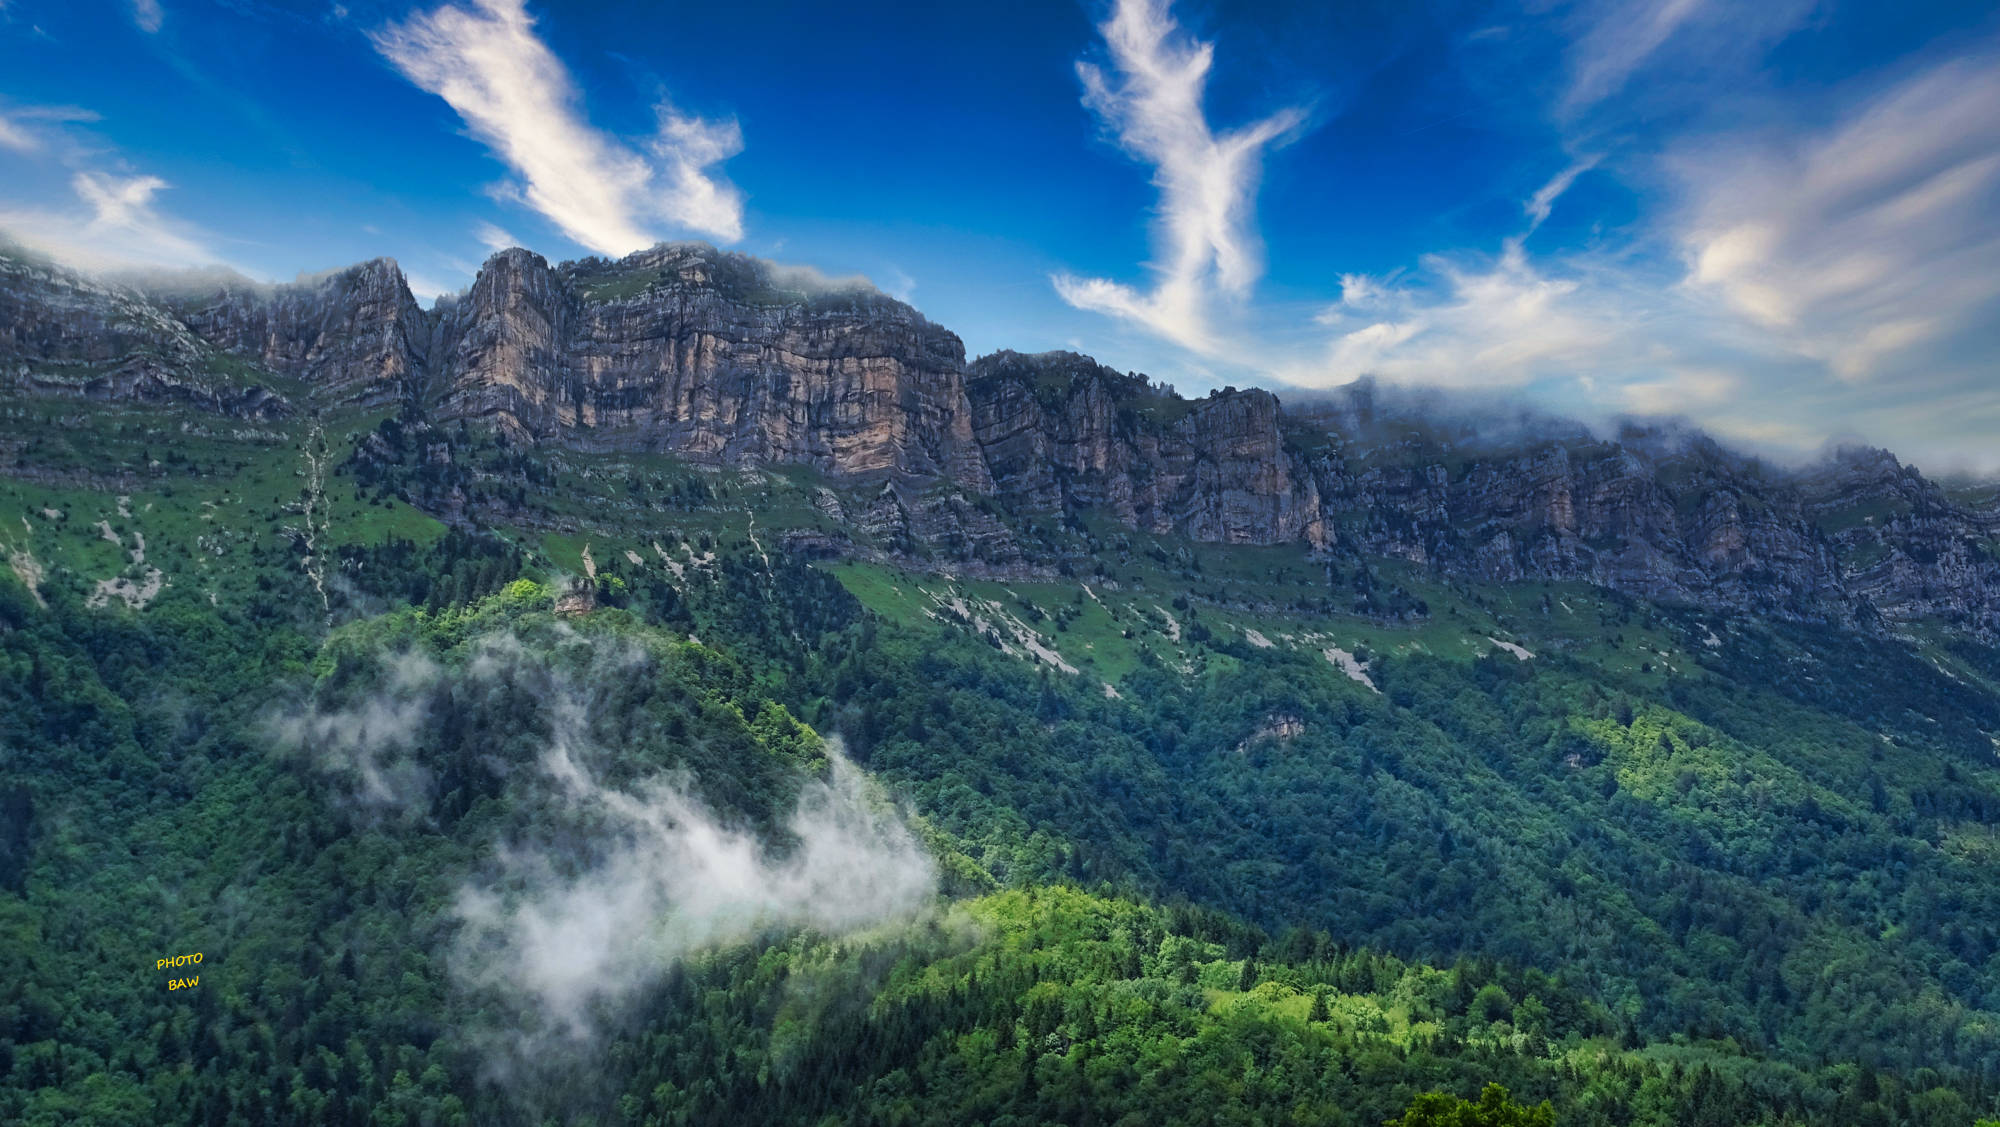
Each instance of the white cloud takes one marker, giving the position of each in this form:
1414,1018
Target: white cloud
118,203
14,137
667,878
516,97
18,134
1867,246
1543,202
116,226
1784,281
1467,324
147,15
1681,390
427,288
685,148
108,219
613,876
494,238
1153,105
1621,37
1635,64
371,744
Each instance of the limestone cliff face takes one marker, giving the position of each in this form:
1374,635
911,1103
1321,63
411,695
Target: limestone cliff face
1905,549
1860,538
1060,430
724,359
352,336
712,356
497,349
1674,527
65,335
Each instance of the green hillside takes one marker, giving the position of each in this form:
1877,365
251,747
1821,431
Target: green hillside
525,787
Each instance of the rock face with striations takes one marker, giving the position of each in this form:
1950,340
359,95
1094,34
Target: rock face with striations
714,356
66,335
1906,549
1692,523
353,335
1060,430
1858,538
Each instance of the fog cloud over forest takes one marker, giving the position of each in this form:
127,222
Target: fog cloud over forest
604,872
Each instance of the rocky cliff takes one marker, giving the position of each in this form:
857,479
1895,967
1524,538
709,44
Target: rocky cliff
351,336
713,356
1061,431
724,359
66,335
1672,516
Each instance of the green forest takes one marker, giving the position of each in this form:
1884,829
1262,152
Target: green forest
502,825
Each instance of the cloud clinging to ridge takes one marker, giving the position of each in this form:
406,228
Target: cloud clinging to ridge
117,226
667,878
1503,323
494,237
1207,182
603,878
518,98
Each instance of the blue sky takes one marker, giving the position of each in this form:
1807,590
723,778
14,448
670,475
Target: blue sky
1780,219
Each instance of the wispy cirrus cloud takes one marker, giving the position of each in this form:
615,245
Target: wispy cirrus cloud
1542,204
1662,54
148,16
14,137
515,96
1620,37
1151,102
1818,262
83,204
494,238
1868,246
1472,322
22,127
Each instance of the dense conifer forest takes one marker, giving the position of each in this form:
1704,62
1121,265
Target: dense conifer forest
1738,900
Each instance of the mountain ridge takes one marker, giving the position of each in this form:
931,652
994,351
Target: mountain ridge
724,359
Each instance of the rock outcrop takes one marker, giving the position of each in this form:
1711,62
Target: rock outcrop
66,335
1859,537
1062,431
712,356
352,336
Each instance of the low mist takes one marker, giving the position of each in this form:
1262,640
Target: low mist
369,747
572,933
601,874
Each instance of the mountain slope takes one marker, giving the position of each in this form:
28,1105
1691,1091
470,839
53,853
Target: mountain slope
1634,774
327,841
